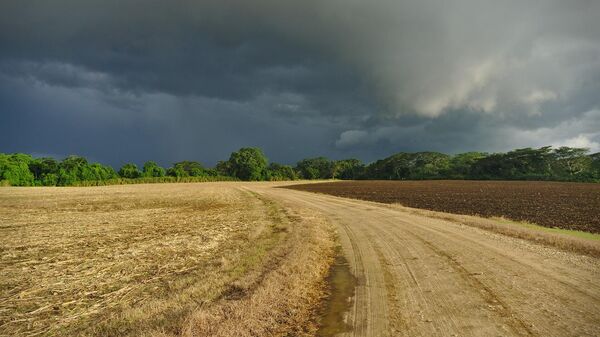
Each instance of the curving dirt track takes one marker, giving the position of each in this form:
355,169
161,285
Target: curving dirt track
419,276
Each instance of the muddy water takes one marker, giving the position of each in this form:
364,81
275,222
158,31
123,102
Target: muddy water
339,302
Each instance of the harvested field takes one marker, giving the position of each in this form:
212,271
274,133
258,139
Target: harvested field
161,259
574,206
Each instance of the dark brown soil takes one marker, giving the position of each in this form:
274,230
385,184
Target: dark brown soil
551,204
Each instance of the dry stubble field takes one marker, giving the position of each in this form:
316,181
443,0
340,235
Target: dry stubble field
160,259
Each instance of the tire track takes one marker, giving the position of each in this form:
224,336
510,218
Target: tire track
421,276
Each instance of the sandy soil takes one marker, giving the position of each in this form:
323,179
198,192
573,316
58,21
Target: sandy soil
420,276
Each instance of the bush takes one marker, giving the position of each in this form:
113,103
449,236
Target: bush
187,169
130,171
278,172
151,169
316,168
15,169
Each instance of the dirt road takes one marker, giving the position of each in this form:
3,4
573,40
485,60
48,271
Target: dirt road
419,276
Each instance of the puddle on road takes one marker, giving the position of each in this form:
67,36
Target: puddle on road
342,284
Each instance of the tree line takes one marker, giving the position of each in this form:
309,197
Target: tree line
250,164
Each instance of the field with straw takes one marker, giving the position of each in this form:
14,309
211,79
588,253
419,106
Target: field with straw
164,259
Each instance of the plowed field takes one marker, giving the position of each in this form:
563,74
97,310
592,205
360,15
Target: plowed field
551,204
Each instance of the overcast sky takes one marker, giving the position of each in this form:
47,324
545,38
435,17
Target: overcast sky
125,80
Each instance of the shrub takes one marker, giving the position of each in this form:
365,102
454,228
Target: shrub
151,169
130,171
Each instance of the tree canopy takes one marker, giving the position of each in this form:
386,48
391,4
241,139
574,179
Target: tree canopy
130,171
315,168
278,172
151,169
250,163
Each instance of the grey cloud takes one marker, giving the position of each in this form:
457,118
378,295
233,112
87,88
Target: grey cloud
339,78
424,57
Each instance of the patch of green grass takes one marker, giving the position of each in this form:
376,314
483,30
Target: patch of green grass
556,230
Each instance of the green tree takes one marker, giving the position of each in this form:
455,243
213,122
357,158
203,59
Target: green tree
429,165
44,170
348,169
278,172
50,179
151,169
461,164
187,169
192,168
419,165
316,168
394,167
176,172
73,162
130,171
70,170
15,169
223,167
595,165
571,163
74,169
248,163
100,172
526,163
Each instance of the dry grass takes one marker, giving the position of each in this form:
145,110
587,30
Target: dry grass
290,289
153,259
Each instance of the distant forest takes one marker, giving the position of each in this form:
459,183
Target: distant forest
250,164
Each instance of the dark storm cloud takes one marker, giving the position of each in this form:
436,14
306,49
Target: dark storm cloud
227,50
169,80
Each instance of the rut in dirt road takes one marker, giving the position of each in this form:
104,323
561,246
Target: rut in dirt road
418,276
